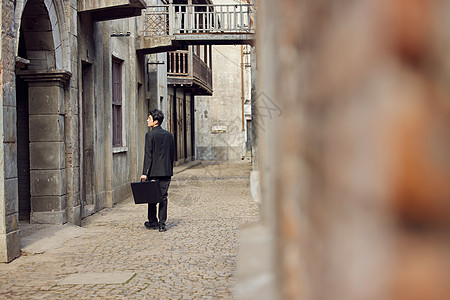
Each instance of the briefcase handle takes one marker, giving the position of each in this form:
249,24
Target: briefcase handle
150,180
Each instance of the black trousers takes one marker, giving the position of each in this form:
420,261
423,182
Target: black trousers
164,182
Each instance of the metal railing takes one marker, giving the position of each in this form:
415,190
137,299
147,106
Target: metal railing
163,20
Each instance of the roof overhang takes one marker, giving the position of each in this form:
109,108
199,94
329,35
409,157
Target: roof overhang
103,10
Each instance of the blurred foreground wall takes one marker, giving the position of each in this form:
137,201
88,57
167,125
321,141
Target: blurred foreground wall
355,151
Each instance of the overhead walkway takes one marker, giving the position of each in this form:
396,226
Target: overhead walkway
169,27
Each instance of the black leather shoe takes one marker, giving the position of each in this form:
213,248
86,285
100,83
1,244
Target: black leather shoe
152,226
162,228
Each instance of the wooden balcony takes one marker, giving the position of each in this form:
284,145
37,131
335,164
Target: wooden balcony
175,19
195,24
186,69
103,10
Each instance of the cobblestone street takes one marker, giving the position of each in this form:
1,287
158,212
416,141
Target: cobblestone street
194,259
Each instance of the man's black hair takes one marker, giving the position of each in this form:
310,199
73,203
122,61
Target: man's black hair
157,115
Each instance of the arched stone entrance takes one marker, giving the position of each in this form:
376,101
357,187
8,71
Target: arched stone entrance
40,43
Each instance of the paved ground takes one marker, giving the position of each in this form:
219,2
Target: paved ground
194,259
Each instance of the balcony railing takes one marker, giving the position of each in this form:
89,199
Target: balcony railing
185,67
172,19
178,63
201,70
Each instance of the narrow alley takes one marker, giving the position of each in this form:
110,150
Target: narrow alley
116,257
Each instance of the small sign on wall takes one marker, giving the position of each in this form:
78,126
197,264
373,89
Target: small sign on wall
219,129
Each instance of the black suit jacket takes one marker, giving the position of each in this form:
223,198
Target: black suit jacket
159,153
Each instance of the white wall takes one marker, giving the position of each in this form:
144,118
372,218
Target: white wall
223,108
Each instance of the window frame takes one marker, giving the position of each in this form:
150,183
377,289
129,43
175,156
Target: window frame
117,102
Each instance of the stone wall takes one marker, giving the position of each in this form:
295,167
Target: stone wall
9,217
355,171
65,56
218,118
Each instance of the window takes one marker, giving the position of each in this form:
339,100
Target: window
117,102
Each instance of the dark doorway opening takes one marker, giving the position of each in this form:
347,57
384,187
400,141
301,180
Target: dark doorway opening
174,111
23,140
88,136
23,149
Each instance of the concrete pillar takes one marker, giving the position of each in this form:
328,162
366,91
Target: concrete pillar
47,148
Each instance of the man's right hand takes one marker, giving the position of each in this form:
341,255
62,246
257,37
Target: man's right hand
143,177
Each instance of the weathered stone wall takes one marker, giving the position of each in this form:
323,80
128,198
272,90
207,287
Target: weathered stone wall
9,217
124,166
71,61
356,169
59,48
218,118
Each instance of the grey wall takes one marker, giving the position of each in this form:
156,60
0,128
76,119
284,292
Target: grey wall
223,108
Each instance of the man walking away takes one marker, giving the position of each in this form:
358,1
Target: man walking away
158,164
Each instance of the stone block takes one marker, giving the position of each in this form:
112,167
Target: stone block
73,84
46,100
88,210
72,134
47,155
74,215
48,203
9,124
121,192
53,17
59,57
12,222
120,169
10,160
8,18
8,46
109,199
9,89
73,21
57,217
46,128
9,246
50,60
48,182
11,196
71,104
100,201
76,180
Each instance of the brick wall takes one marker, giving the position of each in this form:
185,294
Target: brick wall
356,170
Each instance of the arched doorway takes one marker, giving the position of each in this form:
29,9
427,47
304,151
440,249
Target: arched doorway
40,89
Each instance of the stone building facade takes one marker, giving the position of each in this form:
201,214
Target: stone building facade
192,79
74,110
76,91
223,121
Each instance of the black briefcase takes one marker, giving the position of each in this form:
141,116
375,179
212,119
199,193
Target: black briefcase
146,192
